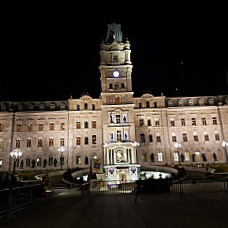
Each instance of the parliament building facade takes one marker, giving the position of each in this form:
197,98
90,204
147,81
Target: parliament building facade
122,130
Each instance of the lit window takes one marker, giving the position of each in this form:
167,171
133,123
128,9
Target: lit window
94,124
187,156
62,126
0,163
18,143
61,141
19,127
176,156
30,127
78,160
160,157
78,140
51,126
78,125
40,127
39,142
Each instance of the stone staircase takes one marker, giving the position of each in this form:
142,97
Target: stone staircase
56,182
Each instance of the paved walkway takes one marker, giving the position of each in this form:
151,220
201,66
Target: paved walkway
66,209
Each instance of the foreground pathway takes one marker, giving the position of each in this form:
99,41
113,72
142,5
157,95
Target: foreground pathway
67,210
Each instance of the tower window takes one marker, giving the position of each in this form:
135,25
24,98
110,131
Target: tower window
115,58
110,86
122,86
85,106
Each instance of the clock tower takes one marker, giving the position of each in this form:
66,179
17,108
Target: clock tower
120,159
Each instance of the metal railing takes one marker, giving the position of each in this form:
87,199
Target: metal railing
199,186
108,188
18,196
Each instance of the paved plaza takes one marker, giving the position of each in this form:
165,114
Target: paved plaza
67,209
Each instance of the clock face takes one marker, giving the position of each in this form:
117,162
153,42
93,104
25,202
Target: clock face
116,73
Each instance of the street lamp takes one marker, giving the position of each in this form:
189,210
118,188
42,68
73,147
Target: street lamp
178,145
224,144
15,154
61,150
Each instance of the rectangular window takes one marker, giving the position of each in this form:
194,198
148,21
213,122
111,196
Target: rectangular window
94,124
117,118
62,126
156,121
182,122
1,127
93,107
174,138
39,142
27,162
185,138
29,143
41,127
1,142
18,143
160,157
194,121
61,143
94,139
51,142
187,156
204,122
78,160
142,136
119,135
141,122
51,126
30,127
158,137
19,127
176,156
214,120
217,138
50,161
206,136
172,122
78,125
78,140
195,137
78,107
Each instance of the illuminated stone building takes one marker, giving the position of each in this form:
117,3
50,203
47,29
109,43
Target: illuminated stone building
125,131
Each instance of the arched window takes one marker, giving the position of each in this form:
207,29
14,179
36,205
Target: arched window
110,86
150,138
78,160
215,157
149,122
144,157
86,124
86,160
182,158
152,158
86,141
147,104
85,106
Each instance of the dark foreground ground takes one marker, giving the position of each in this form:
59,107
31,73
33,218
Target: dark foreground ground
66,209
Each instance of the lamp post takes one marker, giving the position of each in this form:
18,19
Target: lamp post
15,154
61,150
225,144
178,145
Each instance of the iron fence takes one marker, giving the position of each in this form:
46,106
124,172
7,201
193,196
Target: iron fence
199,186
14,197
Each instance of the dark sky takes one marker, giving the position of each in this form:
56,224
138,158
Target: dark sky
52,52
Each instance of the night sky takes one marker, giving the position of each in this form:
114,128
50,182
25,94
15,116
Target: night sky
52,52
